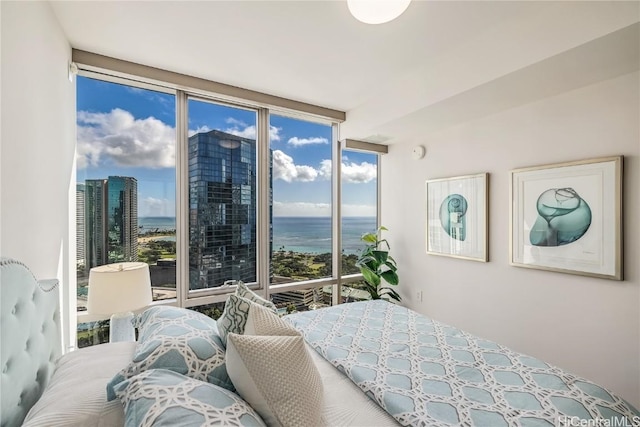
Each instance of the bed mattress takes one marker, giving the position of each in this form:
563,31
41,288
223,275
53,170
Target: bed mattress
76,395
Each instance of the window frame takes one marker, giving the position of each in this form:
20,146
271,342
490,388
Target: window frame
185,88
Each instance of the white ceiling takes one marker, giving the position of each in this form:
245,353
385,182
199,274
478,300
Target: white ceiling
386,77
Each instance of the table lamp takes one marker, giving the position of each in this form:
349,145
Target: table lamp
117,290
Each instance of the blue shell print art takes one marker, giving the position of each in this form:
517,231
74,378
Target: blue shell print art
452,216
564,217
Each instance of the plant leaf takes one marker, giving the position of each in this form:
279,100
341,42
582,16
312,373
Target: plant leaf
392,293
380,256
390,276
369,238
363,260
391,266
380,242
370,276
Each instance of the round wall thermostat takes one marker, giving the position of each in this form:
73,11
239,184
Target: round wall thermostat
418,152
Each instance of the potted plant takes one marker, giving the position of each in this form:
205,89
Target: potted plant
378,267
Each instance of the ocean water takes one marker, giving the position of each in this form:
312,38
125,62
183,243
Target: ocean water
313,234
156,223
297,234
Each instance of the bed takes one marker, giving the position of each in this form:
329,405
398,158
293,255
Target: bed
358,364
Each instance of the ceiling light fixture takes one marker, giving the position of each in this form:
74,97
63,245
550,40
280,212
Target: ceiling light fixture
377,11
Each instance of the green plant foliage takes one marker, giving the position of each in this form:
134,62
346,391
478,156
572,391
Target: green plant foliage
378,267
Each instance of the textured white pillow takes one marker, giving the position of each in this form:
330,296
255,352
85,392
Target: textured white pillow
263,321
277,377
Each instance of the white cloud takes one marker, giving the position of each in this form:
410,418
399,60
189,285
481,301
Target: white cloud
352,173
241,129
297,142
234,121
285,169
244,131
274,133
325,169
362,173
119,138
150,206
200,129
319,209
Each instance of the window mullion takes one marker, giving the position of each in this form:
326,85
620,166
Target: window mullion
336,213
182,199
264,200
378,191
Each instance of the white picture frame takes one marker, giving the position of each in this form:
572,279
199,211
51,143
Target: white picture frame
567,217
457,217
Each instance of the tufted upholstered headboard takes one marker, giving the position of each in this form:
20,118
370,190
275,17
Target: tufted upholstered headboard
30,338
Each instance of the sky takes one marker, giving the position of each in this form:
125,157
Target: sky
131,132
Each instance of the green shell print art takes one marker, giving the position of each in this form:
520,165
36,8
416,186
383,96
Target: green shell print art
564,217
452,216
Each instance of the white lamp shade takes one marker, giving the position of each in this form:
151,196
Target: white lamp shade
377,11
119,288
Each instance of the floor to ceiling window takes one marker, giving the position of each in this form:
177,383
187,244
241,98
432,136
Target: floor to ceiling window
359,180
222,194
301,232
125,185
208,191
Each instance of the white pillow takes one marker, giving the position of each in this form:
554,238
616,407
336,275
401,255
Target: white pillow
262,321
277,377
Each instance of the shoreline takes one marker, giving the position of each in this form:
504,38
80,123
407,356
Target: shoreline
146,239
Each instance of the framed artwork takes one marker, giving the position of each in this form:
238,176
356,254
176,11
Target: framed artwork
457,217
567,217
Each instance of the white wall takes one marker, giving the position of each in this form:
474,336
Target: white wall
38,143
588,326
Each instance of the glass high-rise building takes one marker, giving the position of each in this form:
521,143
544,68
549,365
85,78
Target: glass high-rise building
95,222
222,209
122,214
110,220
80,224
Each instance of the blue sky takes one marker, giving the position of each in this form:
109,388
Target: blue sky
131,132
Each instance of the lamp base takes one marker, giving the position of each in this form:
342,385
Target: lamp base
121,327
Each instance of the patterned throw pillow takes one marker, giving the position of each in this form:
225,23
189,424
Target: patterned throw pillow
277,377
243,291
153,317
164,398
181,340
234,316
262,321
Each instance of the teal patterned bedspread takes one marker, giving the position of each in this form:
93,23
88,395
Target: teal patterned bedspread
425,373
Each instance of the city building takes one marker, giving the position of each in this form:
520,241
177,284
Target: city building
122,214
222,209
110,220
95,221
80,225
